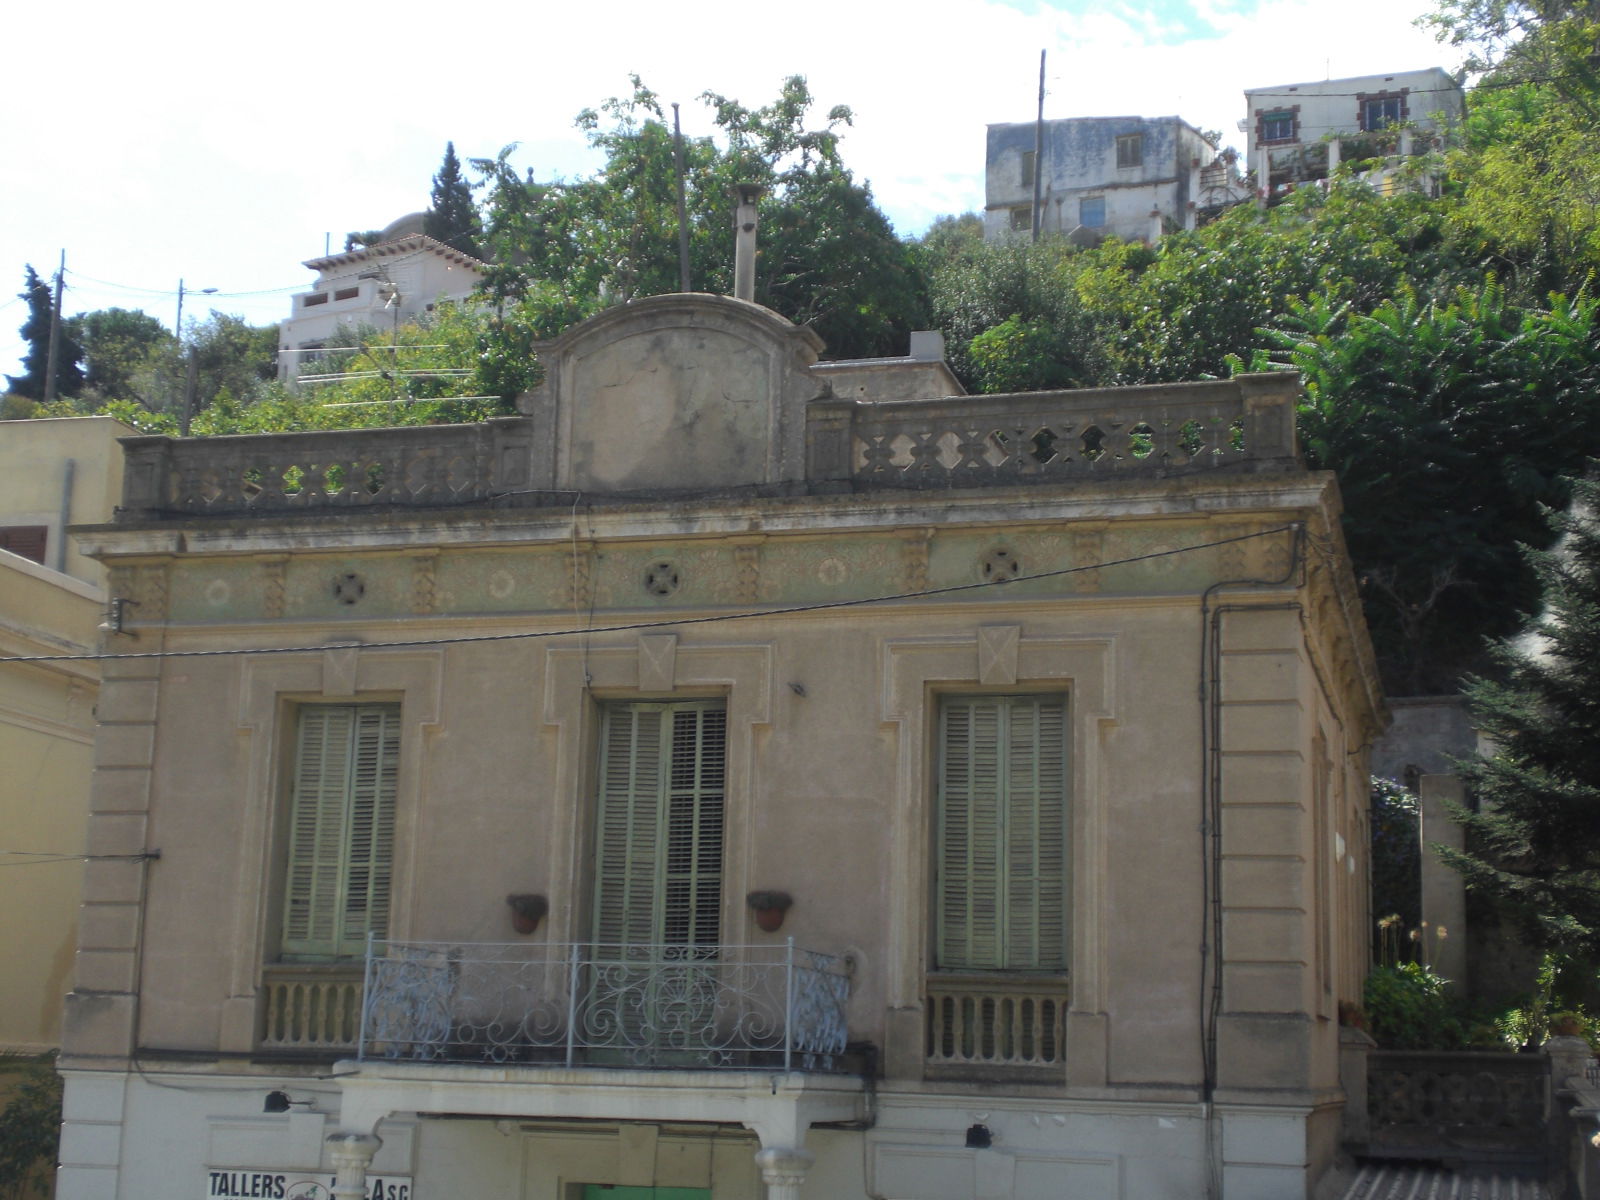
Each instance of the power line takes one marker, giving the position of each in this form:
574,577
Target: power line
530,635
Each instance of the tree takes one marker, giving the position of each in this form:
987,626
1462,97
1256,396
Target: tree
1450,424
452,217
827,256
36,332
1533,845
121,350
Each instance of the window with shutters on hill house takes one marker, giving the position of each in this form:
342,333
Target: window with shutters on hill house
340,839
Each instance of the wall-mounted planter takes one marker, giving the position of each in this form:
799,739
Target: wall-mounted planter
769,908
527,910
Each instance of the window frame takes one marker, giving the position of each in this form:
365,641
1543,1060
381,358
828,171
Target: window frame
1087,200
1015,887
292,937
1265,115
1130,151
1365,100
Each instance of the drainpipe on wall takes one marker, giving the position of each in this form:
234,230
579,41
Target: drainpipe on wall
744,240
58,553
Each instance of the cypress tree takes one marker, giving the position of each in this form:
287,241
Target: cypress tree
452,217
36,332
1533,847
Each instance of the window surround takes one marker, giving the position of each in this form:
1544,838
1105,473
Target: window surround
270,689
1130,151
1386,99
996,658
645,667
1263,115
1029,165
1090,206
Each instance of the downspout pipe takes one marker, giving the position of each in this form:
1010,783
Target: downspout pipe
58,552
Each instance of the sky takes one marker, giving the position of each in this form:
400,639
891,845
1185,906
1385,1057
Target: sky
223,144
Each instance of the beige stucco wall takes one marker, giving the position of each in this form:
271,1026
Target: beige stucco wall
830,751
46,740
34,478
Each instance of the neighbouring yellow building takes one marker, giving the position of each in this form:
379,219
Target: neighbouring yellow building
736,775
52,473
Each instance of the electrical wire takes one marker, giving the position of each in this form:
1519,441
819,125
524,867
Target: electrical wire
671,622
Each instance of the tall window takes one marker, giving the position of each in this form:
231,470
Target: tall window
658,877
1028,164
1002,900
1130,150
341,830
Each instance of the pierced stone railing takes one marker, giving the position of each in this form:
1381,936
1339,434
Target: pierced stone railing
693,1007
996,1022
1246,423
419,465
1477,1106
311,1008
1101,433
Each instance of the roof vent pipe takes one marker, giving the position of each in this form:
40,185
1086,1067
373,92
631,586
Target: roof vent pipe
744,240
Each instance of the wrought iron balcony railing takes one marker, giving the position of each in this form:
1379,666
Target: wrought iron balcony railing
688,1007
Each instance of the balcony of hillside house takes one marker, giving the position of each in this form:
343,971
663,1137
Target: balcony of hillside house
740,1008
1032,438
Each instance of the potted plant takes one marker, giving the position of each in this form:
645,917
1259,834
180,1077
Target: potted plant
769,907
527,910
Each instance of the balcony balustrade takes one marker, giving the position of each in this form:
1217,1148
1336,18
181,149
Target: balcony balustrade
953,442
686,1007
996,1022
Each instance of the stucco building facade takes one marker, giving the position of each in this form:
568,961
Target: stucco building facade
736,774
1127,177
52,474
394,281
1299,133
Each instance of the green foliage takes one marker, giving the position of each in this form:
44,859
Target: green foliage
1396,858
36,332
1533,847
828,257
1409,1007
120,346
1449,424
452,217
30,1128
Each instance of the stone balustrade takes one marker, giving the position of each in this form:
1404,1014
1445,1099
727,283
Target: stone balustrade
954,442
311,1008
996,1022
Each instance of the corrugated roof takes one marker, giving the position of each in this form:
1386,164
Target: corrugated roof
1410,1182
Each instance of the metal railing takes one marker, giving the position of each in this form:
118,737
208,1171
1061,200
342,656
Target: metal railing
996,1021
690,1007
311,1008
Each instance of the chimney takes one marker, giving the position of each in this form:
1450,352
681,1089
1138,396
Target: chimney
744,240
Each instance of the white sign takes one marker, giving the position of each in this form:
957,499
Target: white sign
252,1184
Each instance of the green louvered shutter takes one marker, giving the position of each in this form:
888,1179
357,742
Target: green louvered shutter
658,877
341,829
1002,837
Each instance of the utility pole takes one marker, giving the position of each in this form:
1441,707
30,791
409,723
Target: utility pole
1038,155
55,335
683,213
